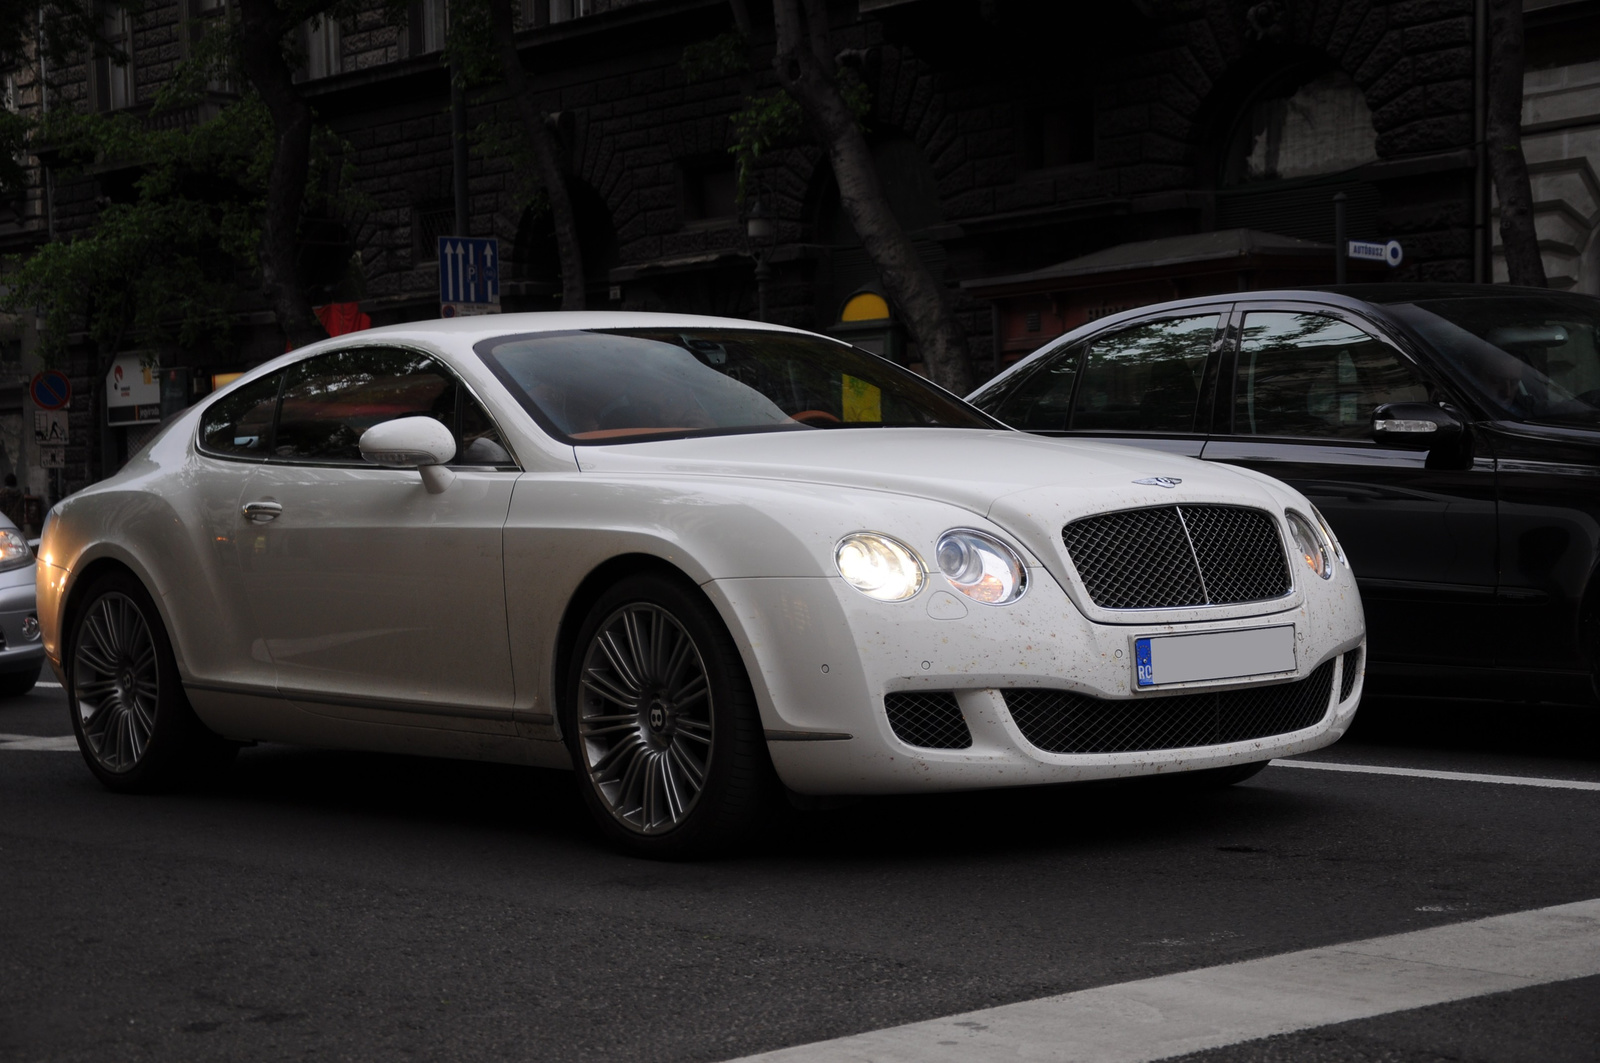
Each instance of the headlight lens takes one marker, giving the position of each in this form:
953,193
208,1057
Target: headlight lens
1310,545
981,566
14,552
1327,533
879,567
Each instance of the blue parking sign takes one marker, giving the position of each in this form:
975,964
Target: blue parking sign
469,271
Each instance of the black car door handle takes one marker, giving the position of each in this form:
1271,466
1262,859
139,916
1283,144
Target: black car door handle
261,512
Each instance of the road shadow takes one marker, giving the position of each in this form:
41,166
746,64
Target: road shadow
1478,727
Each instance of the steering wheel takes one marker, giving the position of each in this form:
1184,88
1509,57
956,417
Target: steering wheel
814,417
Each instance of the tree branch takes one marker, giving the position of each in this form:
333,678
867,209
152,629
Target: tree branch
1503,130
262,27
547,157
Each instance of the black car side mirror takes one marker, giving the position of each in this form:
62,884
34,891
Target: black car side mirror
1416,426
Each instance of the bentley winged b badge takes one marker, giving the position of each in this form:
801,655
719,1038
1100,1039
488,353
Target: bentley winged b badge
1160,481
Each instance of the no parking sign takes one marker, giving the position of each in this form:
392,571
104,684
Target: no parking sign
50,390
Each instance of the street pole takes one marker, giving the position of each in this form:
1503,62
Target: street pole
763,274
458,144
1339,242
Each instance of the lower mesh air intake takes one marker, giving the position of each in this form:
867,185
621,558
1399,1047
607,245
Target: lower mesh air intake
1352,672
1060,721
930,720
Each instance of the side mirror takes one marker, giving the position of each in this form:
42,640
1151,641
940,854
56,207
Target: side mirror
419,443
1416,426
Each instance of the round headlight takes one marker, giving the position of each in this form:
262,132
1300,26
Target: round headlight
1327,533
878,567
14,551
981,566
1310,546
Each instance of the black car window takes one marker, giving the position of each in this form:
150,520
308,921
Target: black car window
1145,378
329,400
1038,399
1303,374
480,442
239,425
1531,357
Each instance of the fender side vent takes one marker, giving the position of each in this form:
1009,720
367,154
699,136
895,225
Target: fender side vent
930,720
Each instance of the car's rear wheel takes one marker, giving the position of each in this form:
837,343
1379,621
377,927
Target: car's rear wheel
662,724
133,722
16,684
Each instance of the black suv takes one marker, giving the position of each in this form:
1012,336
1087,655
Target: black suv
1450,435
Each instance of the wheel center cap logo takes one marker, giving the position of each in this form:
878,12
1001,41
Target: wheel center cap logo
1160,481
658,717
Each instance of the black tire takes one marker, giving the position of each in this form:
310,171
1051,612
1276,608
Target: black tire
651,731
133,722
16,684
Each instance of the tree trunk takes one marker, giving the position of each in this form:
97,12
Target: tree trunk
547,155
261,29
1504,132
808,76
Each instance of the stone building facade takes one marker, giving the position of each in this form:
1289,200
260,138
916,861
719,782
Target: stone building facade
1011,134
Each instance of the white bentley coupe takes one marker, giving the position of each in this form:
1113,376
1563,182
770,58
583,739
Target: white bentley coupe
689,558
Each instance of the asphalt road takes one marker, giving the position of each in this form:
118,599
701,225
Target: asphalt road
333,906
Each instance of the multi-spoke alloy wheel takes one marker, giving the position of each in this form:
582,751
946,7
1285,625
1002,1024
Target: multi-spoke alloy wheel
662,723
133,720
645,722
115,682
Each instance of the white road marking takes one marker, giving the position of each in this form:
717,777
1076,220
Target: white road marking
52,686
1448,776
1157,1018
56,743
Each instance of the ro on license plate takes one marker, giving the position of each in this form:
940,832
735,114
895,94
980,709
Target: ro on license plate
1162,659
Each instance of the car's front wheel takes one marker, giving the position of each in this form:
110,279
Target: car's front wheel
662,724
133,722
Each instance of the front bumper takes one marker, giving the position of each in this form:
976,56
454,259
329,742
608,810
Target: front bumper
822,657
19,652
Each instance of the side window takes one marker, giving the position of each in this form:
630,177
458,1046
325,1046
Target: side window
1041,400
328,401
480,442
240,425
1316,375
1145,378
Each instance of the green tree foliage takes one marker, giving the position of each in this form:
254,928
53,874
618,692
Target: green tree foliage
172,255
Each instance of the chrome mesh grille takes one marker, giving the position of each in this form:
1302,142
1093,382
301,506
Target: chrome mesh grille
1352,670
931,720
1060,721
1172,557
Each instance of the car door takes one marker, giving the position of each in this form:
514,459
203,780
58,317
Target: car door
1139,383
1419,532
377,599
221,639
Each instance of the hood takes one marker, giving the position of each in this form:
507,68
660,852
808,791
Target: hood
1025,483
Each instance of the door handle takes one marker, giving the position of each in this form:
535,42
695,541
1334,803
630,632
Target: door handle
261,512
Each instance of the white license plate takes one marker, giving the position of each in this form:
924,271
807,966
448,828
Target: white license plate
1163,659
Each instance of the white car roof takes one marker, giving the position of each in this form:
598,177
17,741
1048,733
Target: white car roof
486,326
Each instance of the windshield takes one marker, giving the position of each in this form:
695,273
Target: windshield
1531,358
627,385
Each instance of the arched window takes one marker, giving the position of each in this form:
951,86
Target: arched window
1301,128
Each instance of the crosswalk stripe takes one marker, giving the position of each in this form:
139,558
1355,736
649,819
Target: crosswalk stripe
1448,776
1156,1018
56,743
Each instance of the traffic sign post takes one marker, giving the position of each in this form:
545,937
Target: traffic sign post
50,390
469,276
